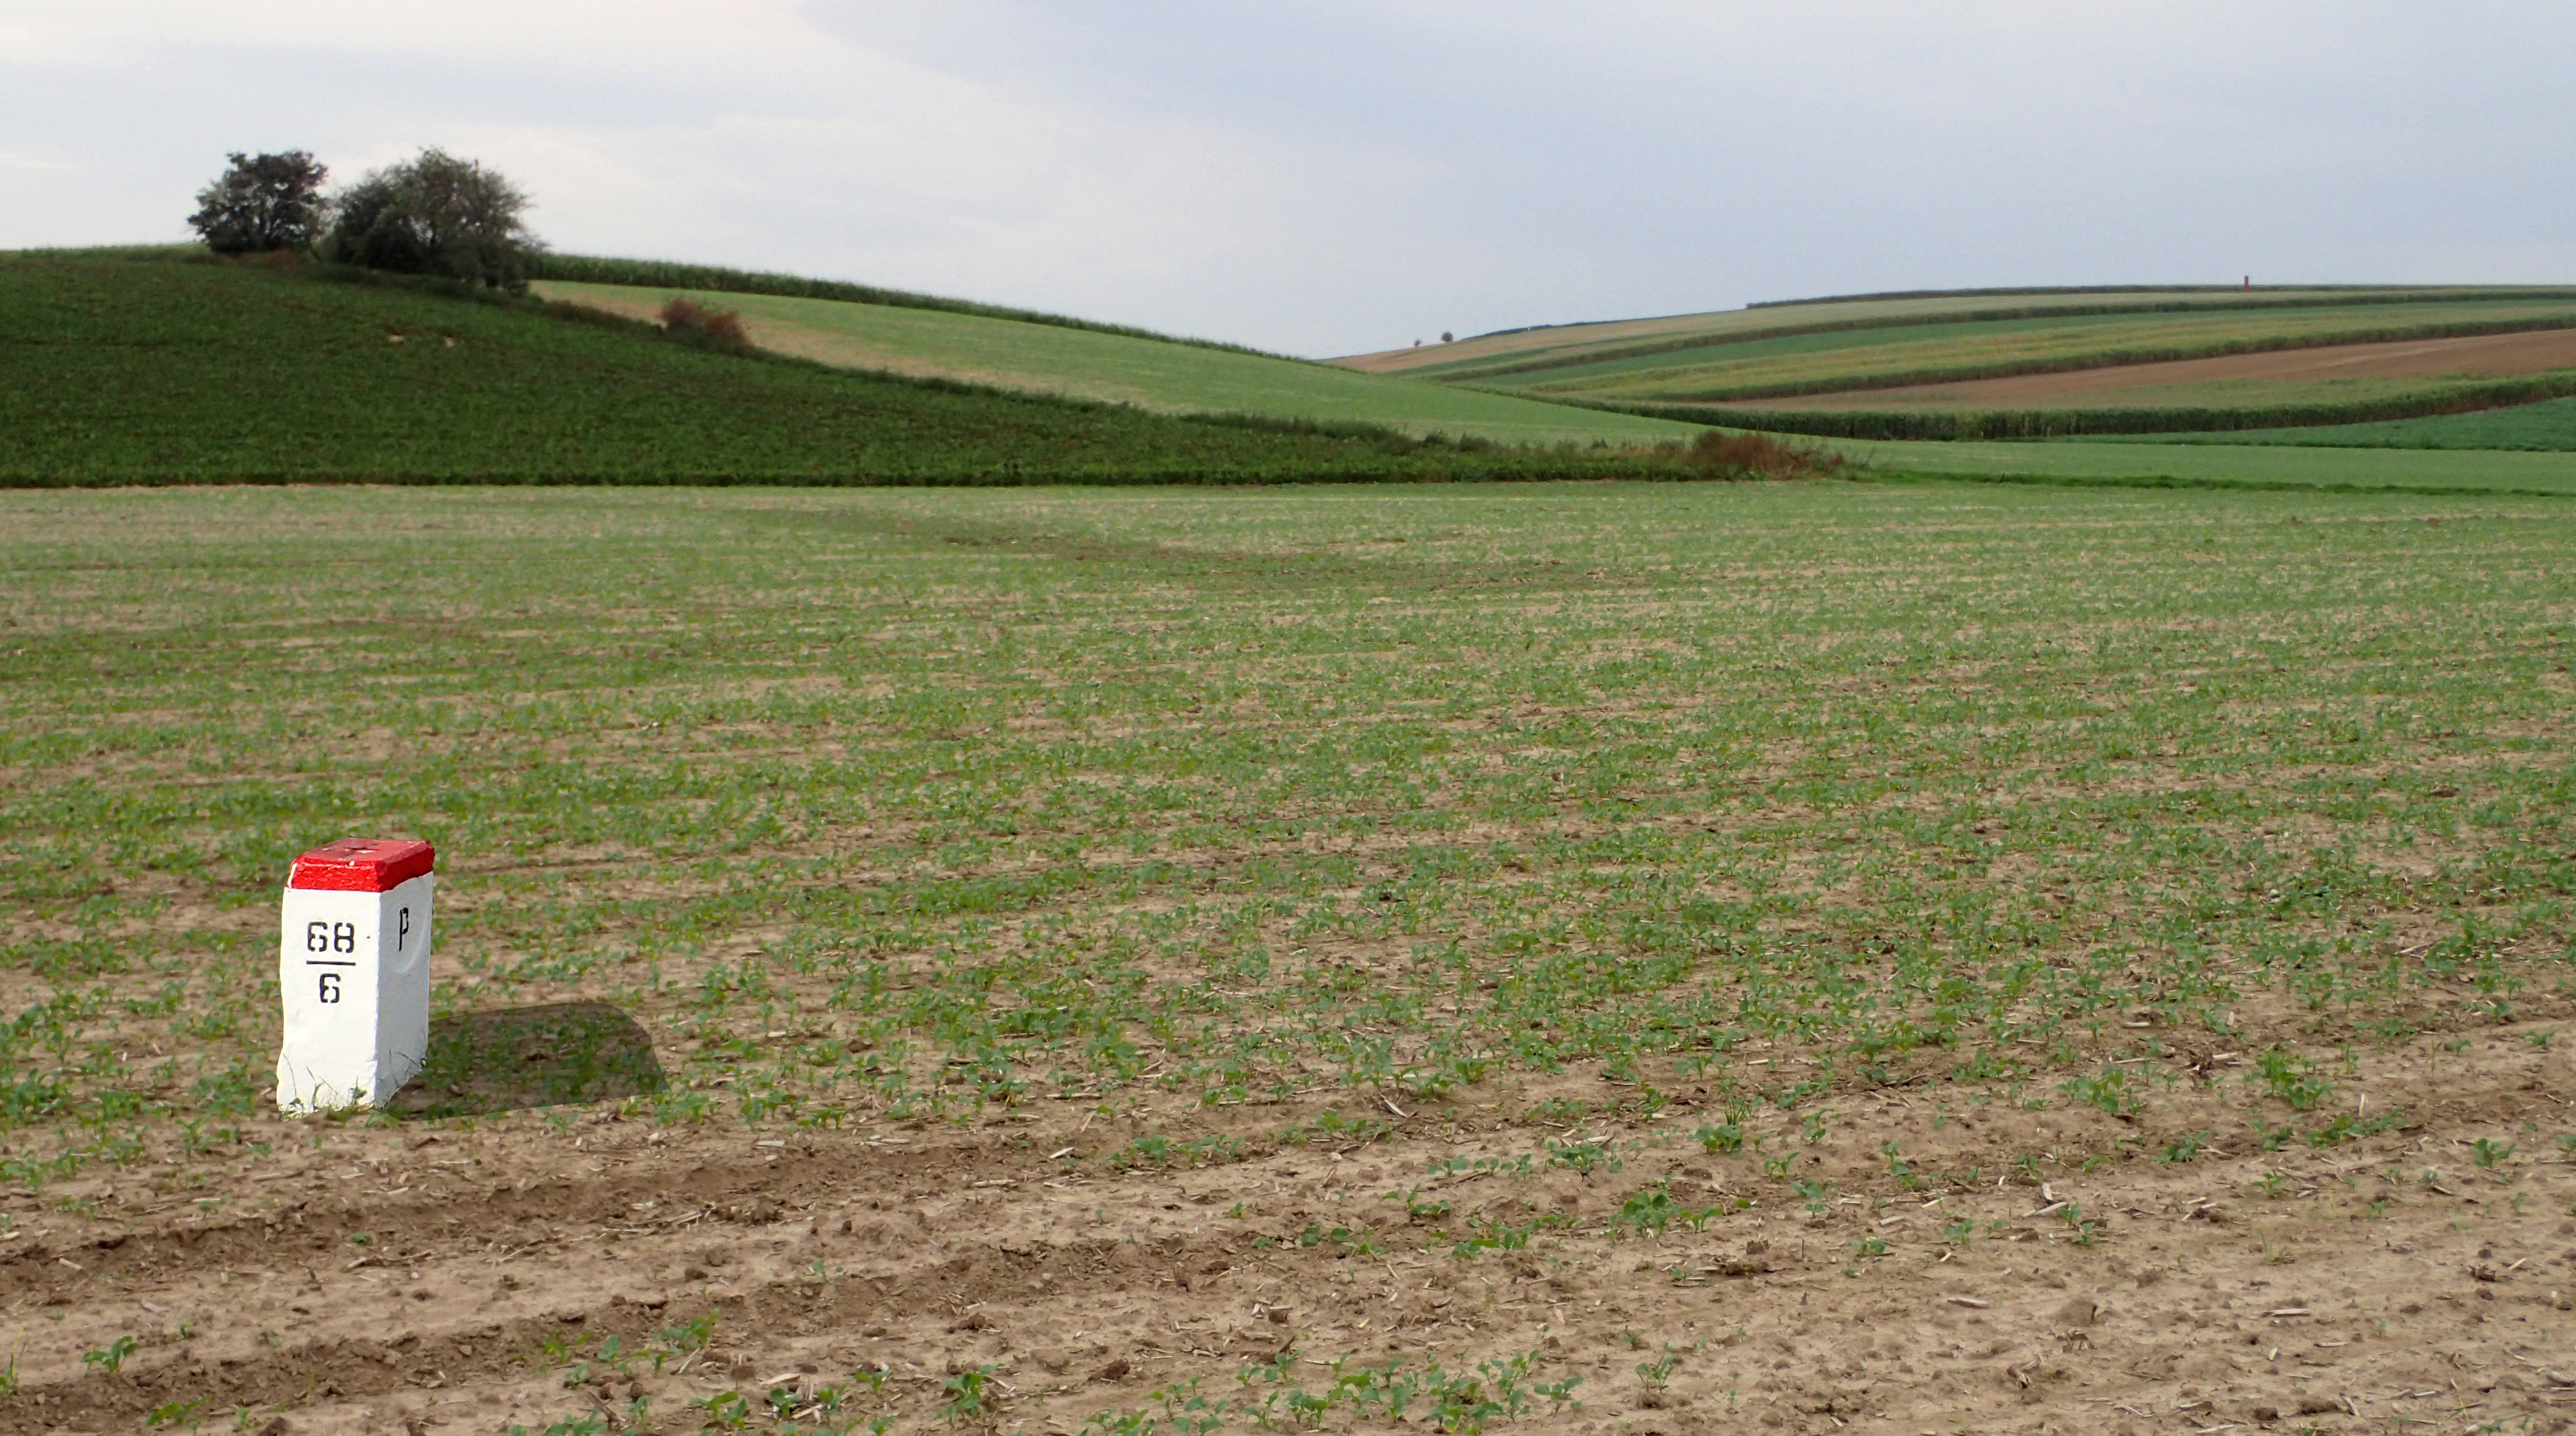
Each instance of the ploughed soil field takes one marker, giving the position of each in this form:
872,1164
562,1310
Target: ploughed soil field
1614,1277
1610,958
2184,380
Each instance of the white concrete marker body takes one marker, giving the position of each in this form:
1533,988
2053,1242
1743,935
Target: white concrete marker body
353,969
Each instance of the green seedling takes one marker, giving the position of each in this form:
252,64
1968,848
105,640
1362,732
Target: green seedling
1415,1207
111,1357
2185,1148
968,1394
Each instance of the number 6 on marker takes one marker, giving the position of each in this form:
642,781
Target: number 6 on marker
353,973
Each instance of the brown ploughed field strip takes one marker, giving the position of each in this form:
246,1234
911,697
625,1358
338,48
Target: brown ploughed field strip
2475,356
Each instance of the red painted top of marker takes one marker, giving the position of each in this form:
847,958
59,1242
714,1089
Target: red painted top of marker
362,865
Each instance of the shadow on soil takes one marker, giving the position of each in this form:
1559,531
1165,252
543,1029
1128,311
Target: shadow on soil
519,1057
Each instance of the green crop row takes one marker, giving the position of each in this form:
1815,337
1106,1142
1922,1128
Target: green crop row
1955,424
2548,426
1462,371
2049,350
842,808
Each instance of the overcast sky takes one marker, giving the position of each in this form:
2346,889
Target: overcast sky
1343,175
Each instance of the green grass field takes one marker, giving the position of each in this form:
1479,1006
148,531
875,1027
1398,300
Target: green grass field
1149,373
2148,461
126,370
877,805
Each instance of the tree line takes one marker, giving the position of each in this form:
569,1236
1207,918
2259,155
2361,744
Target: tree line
432,214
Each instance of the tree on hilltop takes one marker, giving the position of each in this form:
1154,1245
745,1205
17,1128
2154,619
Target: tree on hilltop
262,202
435,214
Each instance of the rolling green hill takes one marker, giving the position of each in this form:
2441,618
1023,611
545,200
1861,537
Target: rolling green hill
122,368
1045,355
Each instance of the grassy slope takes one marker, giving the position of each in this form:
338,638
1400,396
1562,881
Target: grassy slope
2547,426
1150,373
118,370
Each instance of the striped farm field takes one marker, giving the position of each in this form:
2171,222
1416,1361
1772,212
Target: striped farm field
1555,345
1975,365
1149,373
1996,351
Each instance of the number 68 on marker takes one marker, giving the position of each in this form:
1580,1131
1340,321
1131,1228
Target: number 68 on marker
353,970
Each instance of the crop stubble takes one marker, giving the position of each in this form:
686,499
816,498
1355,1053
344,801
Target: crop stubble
1014,944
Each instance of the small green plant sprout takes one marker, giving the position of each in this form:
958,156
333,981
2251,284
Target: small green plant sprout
1416,1208
1657,1374
175,1413
969,1394
593,1424
2541,1039
2487,1153
2086,1233
2271,1183
683,1341
1899,1168
1814,1193
1870,1246
1959,1234
729,1410
2185,1148
2293,1079
1718,1141
2109,1090
111,1357
1585,1156
1649,1210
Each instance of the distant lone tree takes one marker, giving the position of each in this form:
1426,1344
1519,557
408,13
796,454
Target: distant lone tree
435,214
261,203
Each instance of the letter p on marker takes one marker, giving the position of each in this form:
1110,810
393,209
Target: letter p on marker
353,971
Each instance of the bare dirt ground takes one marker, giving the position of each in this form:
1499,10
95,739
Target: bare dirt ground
2479,356
1950,1261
